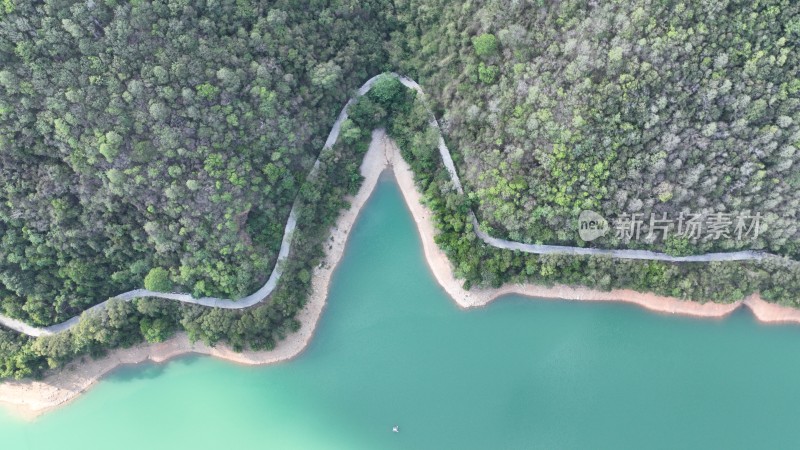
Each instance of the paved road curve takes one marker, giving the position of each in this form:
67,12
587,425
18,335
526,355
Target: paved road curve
286,244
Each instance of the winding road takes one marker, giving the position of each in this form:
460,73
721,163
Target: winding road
286,243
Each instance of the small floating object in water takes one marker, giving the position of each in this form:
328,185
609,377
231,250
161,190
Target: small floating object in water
396,429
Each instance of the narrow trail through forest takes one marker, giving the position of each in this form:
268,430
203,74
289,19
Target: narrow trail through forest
286,243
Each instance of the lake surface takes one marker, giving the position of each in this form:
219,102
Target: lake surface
392,348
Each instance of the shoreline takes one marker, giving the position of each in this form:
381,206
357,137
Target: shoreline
439,264
28,398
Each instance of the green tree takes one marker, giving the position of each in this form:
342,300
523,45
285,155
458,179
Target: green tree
387,91
485,45
158,280
326,75
488,74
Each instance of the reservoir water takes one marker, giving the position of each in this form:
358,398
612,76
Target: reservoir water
393,349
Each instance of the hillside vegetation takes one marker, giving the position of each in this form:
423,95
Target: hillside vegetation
619,107
161,144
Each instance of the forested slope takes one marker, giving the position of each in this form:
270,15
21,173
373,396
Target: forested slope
619,107
162,143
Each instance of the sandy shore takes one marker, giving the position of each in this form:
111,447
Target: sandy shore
29,399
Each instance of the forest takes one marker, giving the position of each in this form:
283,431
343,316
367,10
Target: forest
776,278
625,107
160,144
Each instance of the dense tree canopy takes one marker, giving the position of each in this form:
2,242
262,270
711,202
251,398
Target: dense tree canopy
620,107
168,134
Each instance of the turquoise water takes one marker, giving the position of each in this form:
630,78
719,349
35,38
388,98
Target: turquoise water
393,349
